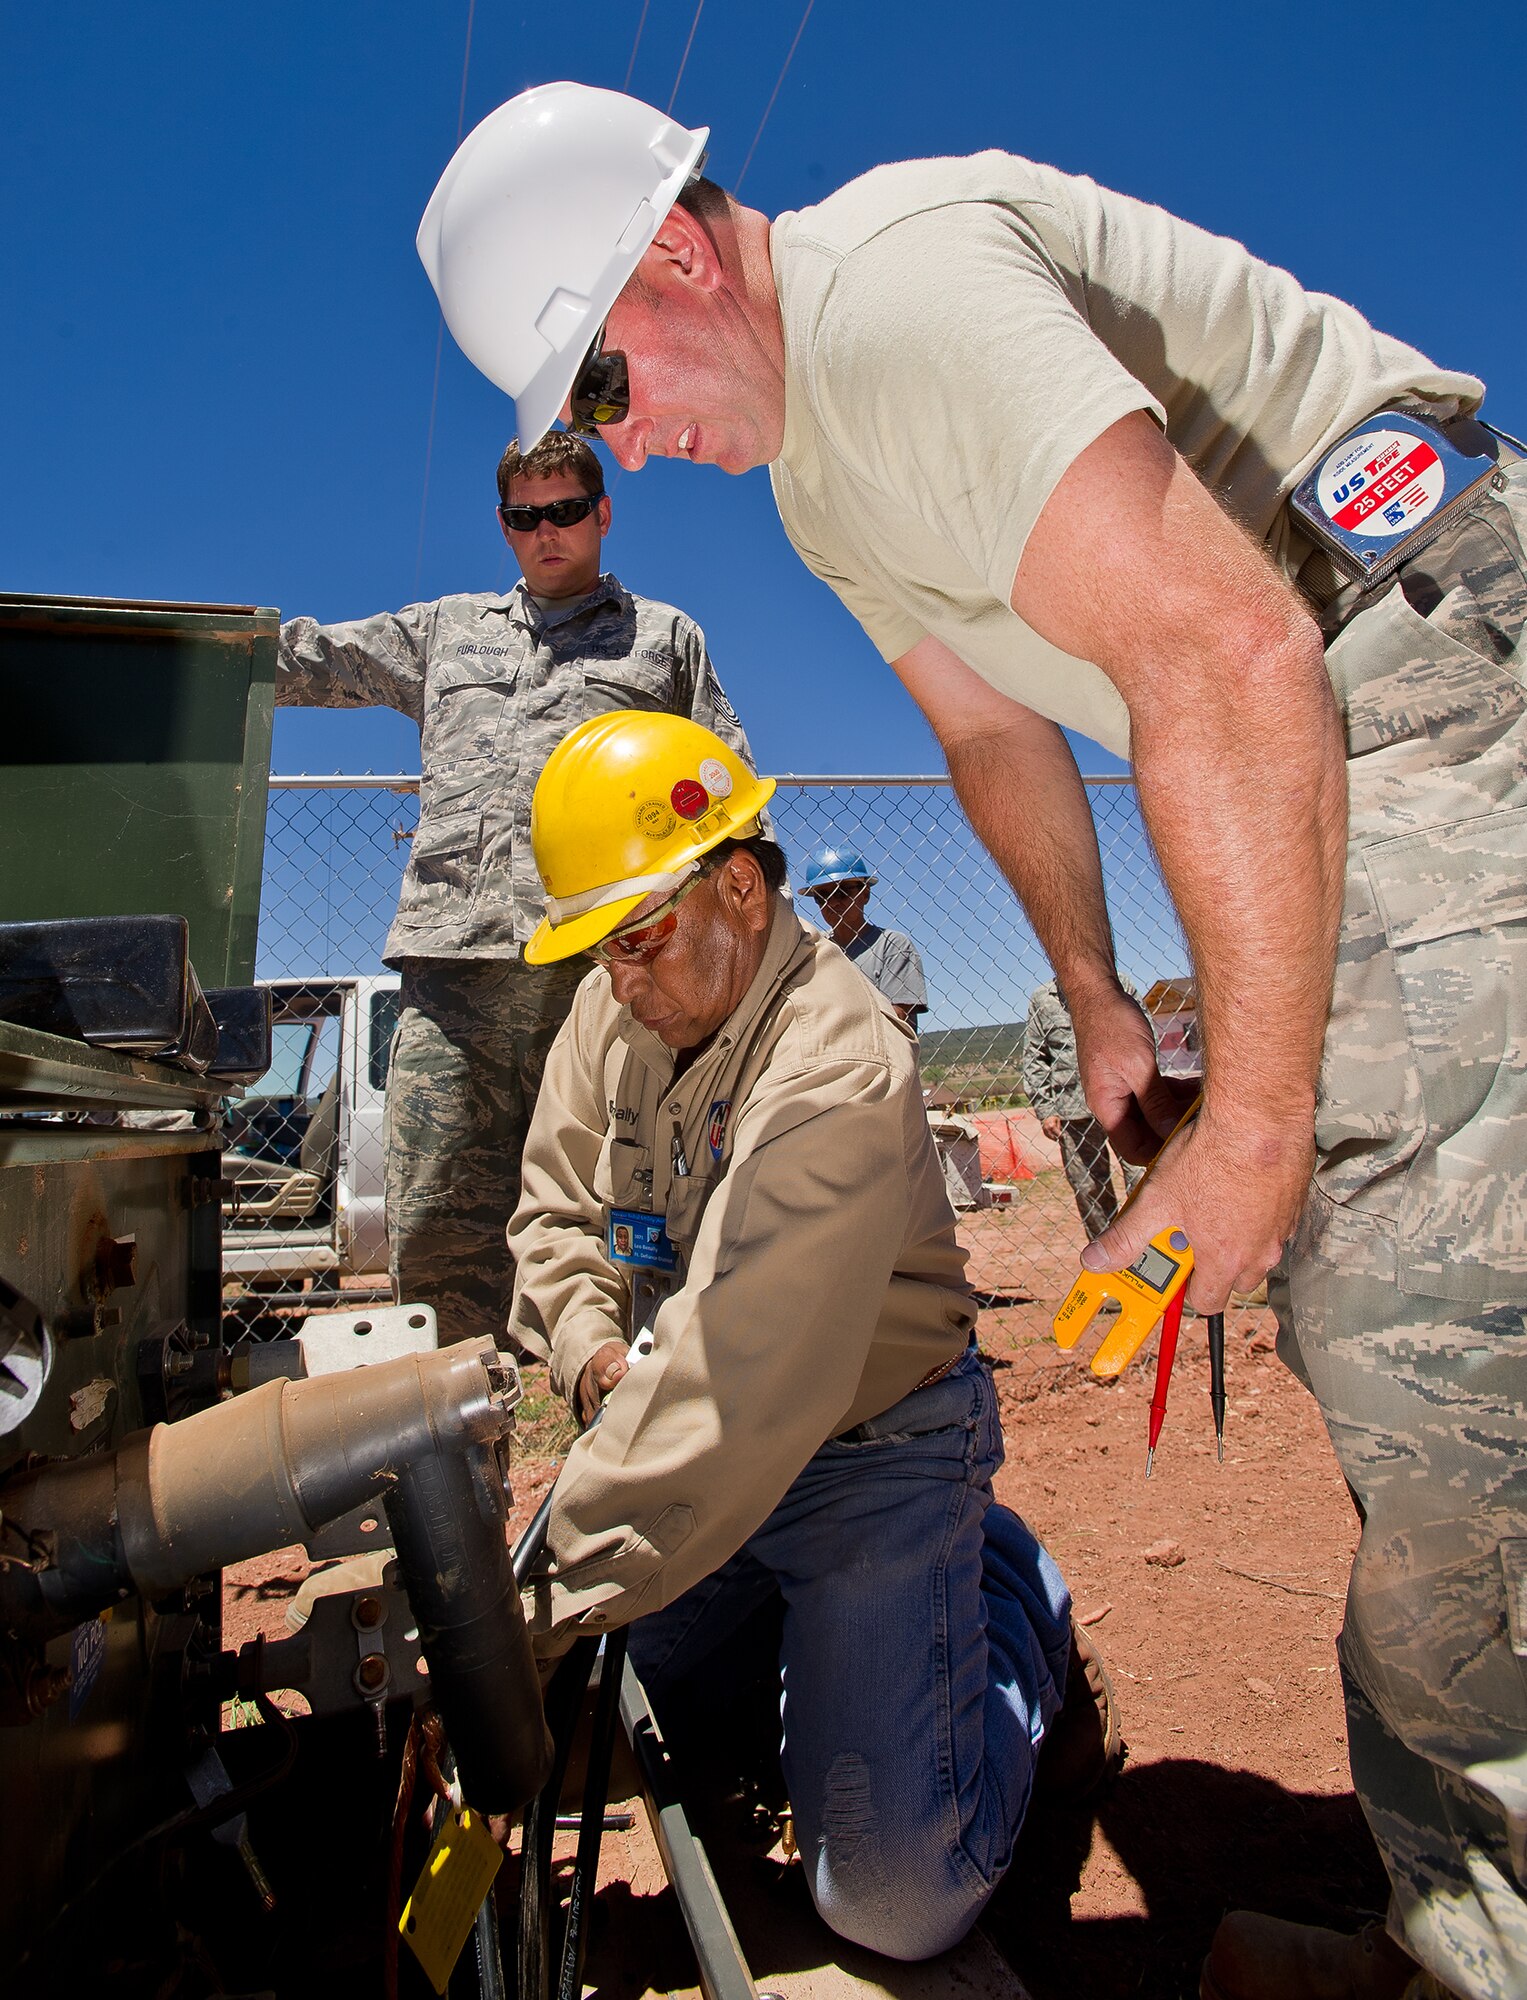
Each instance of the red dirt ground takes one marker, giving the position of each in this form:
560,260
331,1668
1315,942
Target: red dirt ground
1236,1791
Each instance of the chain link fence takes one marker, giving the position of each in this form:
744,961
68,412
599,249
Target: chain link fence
305,1212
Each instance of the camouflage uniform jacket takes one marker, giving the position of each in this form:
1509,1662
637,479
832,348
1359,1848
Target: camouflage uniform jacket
494,687
1051,1080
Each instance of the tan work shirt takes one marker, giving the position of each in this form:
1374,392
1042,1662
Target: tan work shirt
822,1280
957,332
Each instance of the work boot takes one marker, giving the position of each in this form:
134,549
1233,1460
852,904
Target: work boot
1264,1958
1083,1748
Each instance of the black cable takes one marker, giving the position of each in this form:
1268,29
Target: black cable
564,1699
596,1792
531,1546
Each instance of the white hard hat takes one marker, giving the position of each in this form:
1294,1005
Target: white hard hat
537,223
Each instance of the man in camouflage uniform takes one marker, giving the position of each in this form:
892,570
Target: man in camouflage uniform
1403,1299
495,683
1053,1085
1042,440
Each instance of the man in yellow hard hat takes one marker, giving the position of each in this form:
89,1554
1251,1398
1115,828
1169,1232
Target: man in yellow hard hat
730,1176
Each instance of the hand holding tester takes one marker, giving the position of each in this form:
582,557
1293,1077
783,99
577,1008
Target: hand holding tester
1142,1292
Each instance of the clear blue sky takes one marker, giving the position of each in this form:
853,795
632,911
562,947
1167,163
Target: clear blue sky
218,345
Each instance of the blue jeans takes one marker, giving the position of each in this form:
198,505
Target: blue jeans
924,1653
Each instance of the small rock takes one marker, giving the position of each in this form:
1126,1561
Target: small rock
1165,1555
1094,1617
1049,1489
1264,1688
1094,1421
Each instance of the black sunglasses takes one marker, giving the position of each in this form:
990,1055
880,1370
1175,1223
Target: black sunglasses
601,390
560,513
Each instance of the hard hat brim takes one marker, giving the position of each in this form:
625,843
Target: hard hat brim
834,881
550,943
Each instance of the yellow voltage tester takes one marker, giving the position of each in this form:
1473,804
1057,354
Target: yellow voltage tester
1142,1292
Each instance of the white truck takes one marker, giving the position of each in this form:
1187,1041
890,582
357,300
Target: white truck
303,1188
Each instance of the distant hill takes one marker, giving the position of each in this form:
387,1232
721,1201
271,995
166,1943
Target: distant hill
978,1062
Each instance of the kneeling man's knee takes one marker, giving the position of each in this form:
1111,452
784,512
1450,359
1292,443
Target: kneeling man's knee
893,1887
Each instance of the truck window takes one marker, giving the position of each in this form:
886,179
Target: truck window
323,1059
384,1018
290,1042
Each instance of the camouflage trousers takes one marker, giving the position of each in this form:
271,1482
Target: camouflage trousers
1089,1168
471,1044
1403,1301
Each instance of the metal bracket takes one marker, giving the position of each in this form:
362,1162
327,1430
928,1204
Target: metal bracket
358,1649
334,1341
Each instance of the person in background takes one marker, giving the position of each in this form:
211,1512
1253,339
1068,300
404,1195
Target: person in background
494,683
839,880
1053,1085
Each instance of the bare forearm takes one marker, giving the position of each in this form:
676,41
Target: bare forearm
1244,796
1024,797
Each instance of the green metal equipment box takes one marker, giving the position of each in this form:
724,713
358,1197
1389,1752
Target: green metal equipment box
135,759
134,766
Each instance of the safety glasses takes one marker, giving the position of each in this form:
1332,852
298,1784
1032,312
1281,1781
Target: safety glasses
560,513
601,390
640,942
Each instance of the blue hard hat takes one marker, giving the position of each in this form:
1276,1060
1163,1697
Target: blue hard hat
835,864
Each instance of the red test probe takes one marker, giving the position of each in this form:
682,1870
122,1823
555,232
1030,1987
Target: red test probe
1166,1354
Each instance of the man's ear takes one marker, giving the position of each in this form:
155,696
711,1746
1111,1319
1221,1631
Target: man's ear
602,513
747,891
684,252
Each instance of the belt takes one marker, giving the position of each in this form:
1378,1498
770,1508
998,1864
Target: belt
860,1433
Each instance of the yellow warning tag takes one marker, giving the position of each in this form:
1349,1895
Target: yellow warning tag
448,1894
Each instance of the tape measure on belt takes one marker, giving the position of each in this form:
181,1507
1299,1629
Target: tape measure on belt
1386,489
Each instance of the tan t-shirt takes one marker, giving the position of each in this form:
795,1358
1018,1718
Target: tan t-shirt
957,332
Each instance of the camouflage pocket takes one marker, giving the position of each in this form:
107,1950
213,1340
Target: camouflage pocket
1513,1562
627,683
1453,904
1417,696
442,870
466,705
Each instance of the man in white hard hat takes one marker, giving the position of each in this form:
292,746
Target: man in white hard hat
729,1157
1073,462
494,681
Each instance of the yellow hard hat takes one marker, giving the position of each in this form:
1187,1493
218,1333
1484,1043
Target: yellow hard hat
626,805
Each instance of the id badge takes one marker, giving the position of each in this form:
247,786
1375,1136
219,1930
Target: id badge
640,1241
